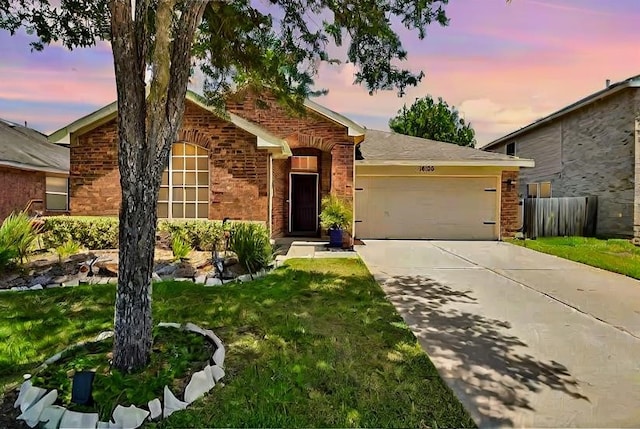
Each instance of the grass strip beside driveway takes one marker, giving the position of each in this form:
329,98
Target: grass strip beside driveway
315,344
615,255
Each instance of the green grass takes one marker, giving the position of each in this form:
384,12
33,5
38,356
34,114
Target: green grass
176,355
314,344
617,255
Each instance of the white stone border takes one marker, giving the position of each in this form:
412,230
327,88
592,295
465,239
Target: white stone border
37,405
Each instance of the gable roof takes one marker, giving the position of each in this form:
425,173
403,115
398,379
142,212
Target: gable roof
632,82
354,129
265,140
389,148
27,149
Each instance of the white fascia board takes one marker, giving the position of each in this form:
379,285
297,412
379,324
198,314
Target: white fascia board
354,129
63,134
453,163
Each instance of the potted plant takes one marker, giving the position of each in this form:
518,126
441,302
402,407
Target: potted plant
336,216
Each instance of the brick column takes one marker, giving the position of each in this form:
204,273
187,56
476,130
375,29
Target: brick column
342,171
509,212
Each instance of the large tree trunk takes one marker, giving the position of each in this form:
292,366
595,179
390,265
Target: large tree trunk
147,127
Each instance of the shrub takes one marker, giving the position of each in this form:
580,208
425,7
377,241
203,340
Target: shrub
67,249
180,248
17,236
250,242
199,234
336,213
93,232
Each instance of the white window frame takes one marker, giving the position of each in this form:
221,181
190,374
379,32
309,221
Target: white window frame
47,192
169,201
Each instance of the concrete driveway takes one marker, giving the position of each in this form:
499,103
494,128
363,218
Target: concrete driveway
524,339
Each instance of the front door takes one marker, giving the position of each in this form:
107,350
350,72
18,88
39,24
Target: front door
304,204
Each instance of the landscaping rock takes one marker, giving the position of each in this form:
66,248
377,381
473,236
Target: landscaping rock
217,373
107,268
166,270
71,283
76,420
201,279
31,395
59,279
233,271
194,328
104,335
171,403
19,288
184,269
53,359
201,382
218,357
112,280
244,278
129,417
213,282
230,260
32,416
53,285
36,287
183,279
51,416
155,408
155,277
169,325
41,280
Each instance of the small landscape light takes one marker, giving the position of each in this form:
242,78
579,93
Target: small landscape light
82,387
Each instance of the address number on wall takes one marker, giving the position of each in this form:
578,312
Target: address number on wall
426,169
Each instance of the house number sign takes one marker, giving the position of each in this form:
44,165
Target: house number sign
426,169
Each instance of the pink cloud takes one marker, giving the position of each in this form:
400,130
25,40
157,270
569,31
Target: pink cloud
97,87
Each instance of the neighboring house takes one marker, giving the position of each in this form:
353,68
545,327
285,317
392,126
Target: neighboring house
409,187
33,172
589,148
262,163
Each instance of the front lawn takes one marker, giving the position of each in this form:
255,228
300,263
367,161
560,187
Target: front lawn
619,256
314,344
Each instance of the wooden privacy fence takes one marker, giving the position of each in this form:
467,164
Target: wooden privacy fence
568,216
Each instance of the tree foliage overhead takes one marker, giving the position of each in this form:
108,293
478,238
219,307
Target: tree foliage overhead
280,44
433,120
277,45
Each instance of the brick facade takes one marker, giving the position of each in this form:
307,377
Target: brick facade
238,170
510,214
308,130
18,188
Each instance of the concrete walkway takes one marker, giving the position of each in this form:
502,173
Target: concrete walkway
524,339
309,248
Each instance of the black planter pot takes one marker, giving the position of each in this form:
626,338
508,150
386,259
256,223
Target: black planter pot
335,237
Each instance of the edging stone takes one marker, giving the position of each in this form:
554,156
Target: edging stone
37,406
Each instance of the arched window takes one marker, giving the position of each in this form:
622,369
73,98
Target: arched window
184,192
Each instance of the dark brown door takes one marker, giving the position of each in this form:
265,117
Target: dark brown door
304,203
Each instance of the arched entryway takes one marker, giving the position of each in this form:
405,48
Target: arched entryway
305,177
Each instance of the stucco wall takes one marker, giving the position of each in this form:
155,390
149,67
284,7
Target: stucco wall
588,152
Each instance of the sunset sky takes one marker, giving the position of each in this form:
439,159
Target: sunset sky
503,66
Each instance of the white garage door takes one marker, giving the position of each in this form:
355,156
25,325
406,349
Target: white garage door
445,208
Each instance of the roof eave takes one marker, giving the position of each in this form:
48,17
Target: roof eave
353,128
578,105
63,135
451,163
30,167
